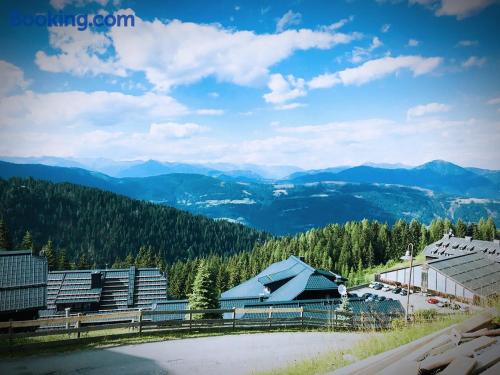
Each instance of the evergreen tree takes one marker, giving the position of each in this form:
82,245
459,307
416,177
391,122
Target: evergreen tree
83,263
63,262
27,242
49,253
5,243
204,294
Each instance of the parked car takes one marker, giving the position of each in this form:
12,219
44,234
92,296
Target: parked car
432,301
386,288
404,292
382,298
371,285
366,295
397,290
378,286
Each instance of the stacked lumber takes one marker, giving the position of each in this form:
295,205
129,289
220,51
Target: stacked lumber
472,347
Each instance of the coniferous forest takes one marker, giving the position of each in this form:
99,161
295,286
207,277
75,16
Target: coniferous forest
80,227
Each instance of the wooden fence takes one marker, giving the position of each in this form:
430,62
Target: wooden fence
141,321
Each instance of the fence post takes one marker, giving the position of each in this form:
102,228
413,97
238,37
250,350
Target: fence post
190,320
270,315
302,316
140,321
78,325
10,333
66,314
234,318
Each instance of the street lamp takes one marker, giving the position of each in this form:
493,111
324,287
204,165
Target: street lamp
408,256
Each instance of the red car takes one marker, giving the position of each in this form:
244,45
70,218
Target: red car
432,301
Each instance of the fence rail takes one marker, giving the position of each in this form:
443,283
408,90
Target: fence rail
140,321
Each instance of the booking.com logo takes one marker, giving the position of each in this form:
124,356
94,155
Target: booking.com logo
81,21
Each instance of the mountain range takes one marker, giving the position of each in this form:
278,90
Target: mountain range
299,201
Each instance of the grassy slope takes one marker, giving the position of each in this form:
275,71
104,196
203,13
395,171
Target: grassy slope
373,344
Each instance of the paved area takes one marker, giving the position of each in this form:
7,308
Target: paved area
238,354
417,300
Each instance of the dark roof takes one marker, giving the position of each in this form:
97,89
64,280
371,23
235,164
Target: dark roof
116,288
449,246
473,271
297,275
23,280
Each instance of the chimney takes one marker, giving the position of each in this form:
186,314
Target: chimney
468,238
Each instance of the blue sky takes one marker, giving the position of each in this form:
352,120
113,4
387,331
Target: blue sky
306,83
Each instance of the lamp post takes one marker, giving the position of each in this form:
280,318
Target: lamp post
408,255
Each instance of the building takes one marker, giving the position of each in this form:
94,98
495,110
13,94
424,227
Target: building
104,290
288,280
450,246
23,285
289,283
460,268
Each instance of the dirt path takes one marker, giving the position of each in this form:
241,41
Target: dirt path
232,354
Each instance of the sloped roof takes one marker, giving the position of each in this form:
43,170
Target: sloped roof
450,246
301,277
23,280
473,271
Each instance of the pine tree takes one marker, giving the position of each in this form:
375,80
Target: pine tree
83,262
63,262
27,242
5,243
203,295
49,253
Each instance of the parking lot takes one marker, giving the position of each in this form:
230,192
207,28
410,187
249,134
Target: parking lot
418,301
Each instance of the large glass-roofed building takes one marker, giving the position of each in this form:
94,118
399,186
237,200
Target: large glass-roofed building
105,290
23,283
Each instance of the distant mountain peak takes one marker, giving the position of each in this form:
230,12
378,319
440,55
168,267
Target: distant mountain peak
443,167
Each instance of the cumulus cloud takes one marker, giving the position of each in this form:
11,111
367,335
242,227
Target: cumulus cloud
457,8
12,78
77,108
175,130
474,61
376,69
155,49
427,109
284,89
288,19
79,53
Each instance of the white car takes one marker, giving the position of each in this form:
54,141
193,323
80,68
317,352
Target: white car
386,288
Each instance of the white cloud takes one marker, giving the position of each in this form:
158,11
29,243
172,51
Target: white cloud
12,78
458,8
210,112
339,24
385,28
474,61
72,109
288,19
426,109
360,54
413,43
78,52
175,130
155,48
376,69
467,43
284,107
284,89
61,4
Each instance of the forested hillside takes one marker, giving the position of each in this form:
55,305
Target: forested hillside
104,227
347,249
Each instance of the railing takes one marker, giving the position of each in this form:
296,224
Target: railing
140,321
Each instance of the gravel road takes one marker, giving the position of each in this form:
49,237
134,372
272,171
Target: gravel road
232,354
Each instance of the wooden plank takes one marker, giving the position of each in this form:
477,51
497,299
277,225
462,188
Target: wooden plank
459,366
487,358
493,370
466,349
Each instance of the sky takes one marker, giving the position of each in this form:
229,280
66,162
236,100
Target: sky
312,84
